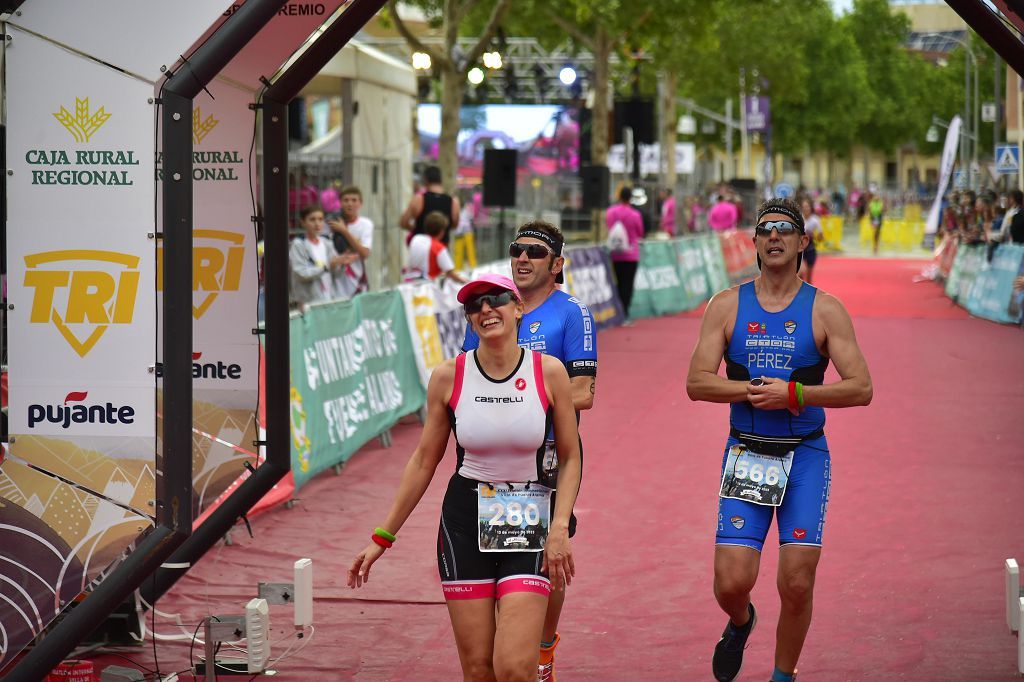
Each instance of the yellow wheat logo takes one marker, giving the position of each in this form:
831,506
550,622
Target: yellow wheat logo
82,124
201,128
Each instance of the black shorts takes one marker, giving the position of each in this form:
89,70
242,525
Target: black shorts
810,255
468,573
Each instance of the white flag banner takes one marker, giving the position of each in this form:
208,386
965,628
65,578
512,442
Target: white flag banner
139,36
80,263
931,226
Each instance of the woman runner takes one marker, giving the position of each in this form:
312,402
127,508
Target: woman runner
503,536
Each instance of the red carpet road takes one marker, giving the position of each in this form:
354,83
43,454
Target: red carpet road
926,505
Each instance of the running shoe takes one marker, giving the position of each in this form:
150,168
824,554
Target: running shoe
728,658
546,666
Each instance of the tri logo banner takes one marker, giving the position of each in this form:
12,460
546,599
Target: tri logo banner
80,259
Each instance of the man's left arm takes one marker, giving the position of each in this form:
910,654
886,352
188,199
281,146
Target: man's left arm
579,348
854,387
356,242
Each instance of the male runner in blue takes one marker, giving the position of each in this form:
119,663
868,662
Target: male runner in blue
560,325
777,335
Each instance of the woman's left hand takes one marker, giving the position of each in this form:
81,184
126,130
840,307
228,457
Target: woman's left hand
558,562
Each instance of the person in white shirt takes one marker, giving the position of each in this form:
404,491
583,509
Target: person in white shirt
353,239
428,256
314,261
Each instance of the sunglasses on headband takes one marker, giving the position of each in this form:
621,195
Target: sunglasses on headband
532,251
783,226
494,300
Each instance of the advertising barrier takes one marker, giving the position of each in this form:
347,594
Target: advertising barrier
353,376
436,323
677,275
991,295
968,262
588,277
739,254
658,288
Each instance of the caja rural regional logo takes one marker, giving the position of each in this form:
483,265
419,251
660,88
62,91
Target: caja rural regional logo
217,260
201,128
82,124
91,299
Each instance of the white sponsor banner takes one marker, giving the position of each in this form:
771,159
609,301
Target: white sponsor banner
139,36
650,158
948,157
80,264
225,352
436,324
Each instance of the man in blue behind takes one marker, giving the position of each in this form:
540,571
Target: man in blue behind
561,326
777,335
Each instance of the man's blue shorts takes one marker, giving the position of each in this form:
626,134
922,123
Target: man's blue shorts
801,514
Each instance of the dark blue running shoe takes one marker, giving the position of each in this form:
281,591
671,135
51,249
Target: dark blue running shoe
728,658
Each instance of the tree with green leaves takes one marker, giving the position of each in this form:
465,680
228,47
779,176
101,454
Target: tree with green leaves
453,66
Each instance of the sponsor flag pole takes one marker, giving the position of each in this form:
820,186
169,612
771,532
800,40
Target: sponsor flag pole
174,487
274,185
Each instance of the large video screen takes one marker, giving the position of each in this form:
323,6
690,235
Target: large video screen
546,136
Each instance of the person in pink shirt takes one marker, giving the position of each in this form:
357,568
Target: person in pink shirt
668,212
625,262
723,215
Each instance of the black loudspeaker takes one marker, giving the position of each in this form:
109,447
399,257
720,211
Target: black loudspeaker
747,184
586,135
500,177
297,128
637,114
595,181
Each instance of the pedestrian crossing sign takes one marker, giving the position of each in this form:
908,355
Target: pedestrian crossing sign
1007,159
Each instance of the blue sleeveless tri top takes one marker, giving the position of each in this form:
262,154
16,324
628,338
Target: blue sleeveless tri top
778,345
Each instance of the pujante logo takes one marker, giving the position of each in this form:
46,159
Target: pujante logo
534,326
300,441
82,124
201,128
64,415
738,522
92,297
789,326
216,267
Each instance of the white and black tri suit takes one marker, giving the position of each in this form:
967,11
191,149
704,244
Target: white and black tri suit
500,427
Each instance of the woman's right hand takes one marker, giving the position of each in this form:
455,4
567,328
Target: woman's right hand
359,573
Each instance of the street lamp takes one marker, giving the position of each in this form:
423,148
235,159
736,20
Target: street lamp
969,104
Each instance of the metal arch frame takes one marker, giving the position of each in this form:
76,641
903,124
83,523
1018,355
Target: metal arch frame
174,484
274,188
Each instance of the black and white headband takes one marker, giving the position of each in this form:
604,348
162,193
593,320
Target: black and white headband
544,237
795,216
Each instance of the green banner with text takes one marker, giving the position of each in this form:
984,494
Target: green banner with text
353,375
657,289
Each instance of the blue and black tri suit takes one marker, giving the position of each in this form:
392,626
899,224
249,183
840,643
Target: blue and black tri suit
781,346
561,327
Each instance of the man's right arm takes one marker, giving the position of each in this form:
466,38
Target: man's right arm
408,220
702,379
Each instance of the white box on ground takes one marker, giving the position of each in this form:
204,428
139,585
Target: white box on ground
1020,640
303,593
257,632
1012,595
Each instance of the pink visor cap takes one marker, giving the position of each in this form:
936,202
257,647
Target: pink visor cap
485,283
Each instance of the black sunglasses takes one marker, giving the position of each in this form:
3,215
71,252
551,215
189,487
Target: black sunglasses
476,304
783,226
533,251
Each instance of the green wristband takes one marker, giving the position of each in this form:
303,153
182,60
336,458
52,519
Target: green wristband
384,534
800,395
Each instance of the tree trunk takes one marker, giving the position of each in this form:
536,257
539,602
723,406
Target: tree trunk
670,85
599,122
452,88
